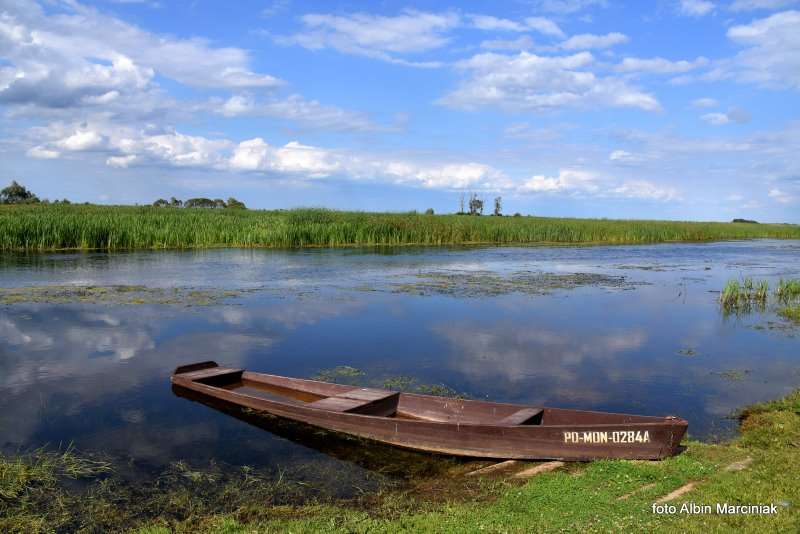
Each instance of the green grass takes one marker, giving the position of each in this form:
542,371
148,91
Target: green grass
55,227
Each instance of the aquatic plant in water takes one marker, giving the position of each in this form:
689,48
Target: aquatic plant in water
739,297
787,290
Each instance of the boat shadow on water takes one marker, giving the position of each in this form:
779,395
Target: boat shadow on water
386,460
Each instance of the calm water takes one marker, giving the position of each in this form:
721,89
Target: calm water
97,374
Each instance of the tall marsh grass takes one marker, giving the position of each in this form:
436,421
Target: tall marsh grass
739,297
787,290
54,227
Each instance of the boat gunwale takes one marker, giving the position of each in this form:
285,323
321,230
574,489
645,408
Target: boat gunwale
214,391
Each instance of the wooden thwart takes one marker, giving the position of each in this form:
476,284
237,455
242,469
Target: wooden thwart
520,417
365,401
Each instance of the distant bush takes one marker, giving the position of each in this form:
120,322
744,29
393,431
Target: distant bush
17,194
429,211
745,221
236,204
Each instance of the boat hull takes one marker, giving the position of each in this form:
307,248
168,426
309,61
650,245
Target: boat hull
460,427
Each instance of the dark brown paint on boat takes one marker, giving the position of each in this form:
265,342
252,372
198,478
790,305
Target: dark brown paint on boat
435,424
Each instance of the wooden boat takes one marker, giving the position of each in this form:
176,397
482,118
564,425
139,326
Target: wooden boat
442,425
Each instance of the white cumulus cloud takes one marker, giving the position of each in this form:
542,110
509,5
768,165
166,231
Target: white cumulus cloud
529,82
751,5
659,65
377,36
704,102
696,8
733,115
586,41
772,54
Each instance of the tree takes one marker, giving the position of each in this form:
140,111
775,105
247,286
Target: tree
429,211
161,203
175,203
236,204
17,194
219,203
461,205
498,206
200,202
475,205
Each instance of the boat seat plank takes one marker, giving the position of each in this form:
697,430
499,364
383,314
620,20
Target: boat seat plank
366,394
366,401
337,404
214,372
520,417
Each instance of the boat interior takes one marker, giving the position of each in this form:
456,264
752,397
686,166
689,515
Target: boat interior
385,403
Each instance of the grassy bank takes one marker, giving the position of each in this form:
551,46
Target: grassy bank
758,467
53,227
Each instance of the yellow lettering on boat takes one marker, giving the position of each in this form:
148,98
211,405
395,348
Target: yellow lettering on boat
571,437
620,436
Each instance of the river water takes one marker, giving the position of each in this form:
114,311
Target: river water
619,328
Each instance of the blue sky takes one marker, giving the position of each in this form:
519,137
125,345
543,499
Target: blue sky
678,109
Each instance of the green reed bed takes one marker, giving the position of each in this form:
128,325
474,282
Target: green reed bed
740,297
787,290
54,227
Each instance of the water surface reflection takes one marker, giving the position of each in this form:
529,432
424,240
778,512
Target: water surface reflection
97,374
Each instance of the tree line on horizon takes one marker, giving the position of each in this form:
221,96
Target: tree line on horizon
200,202
16,193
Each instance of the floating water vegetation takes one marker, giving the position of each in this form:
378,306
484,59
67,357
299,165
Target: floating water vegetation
790,312
38,492
487,284
733,375
60,227
115,294
344,374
